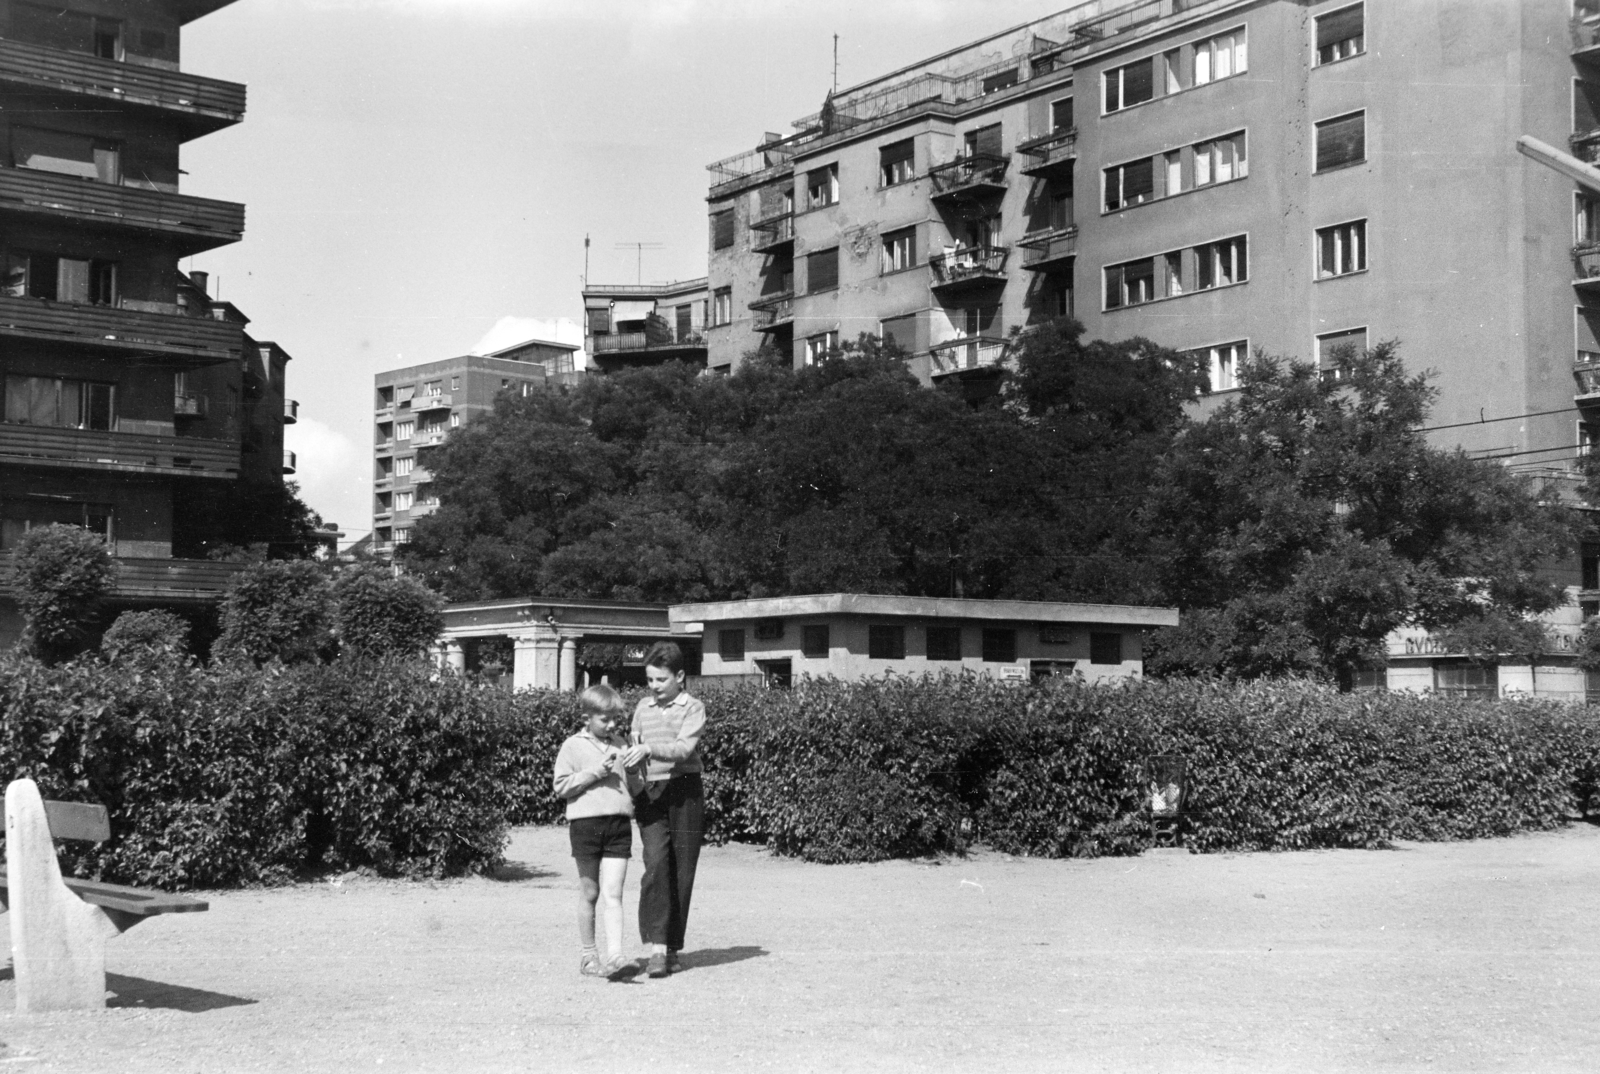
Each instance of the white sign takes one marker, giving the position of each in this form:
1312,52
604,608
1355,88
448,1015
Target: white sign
1013,673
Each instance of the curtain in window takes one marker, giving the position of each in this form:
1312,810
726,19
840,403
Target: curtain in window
33,400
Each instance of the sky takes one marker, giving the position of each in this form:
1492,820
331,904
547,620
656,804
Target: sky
417,171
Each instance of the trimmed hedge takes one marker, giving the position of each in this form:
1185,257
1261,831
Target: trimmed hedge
230,775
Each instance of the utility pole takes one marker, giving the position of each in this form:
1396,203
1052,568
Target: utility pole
836,63
586,260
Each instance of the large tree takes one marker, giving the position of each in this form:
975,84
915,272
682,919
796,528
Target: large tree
1308,518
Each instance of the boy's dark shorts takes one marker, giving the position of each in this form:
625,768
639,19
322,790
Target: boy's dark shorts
601,837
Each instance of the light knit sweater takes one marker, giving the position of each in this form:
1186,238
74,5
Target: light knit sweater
611,795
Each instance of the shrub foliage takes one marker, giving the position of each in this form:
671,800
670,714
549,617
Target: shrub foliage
63,573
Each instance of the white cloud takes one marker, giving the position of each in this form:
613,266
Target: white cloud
333,475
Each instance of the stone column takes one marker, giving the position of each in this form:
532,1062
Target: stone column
536,659
455,656
568,669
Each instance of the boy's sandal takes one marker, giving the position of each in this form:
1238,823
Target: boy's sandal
591,966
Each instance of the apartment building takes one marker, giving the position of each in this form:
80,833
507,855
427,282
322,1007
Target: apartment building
416,407
644,324
135,404
1292,176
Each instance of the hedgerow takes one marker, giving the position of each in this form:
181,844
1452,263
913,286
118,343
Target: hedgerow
235,775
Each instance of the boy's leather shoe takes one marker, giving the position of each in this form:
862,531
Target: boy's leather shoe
658,966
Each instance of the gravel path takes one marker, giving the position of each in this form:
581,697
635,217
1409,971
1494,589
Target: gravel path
1442,957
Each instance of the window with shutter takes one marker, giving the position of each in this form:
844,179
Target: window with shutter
1061,115
901,332
896,163
1341,140
986,141
722,229
1336,349
1341,34
822,270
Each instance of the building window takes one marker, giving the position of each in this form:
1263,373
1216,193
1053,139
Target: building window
730,645
999,646
814,641
402,535
1131,283
1224,360
434,388
59,279
900,332
820,347
822,271
404,429
897,163
1341,140
1585,440
1130,84
1221,57
997,82
60,402
1461,679
900,250
1342,249
886,642
1220,160
944,643
1336,350
1341,34
722,306
1218,264
402,467
455,384
1130,184
1105,647
455,420
66,154
19,515
1061,115
722,229
822,187
403,500
1172,273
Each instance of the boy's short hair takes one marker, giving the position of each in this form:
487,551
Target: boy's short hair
665,654
601,698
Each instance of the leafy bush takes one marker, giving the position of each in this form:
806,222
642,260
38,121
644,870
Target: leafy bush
62,575
278,610
143,638
380,615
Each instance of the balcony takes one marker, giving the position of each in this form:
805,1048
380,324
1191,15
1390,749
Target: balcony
200,104
1050,249
421,476
1052,156
1586,39
424,508
430,402
971,178
773,235
774,312
646,342
133,453
159,579
1586,371
188,405
967,354
288,462
1586,265
967,269
130,331
192,224
291,411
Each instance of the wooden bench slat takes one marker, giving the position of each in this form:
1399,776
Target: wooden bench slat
78,820
141,902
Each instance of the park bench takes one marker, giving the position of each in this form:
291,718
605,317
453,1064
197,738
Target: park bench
59,927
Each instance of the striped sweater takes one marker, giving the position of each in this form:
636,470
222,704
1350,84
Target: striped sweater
672,731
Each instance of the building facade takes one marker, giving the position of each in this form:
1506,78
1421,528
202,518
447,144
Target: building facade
1277,175
854,636
415,409
644,324
135,405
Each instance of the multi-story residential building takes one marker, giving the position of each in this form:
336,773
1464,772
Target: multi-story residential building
644,324
1291,176
418,406
134,404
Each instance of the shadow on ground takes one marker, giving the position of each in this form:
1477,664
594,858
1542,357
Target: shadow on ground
513,871
151,995
721,956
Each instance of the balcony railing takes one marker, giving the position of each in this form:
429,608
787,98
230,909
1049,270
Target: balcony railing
188,405
291,411
194,224
1586,371
125,330
288,462
430,402
1586,264
976,176
969,268
966,353
618,342
1049,249
1585,38
773,233
157,579
773,312
1053,154
184,456
207,103
423,508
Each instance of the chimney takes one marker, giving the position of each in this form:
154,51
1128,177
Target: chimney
200,279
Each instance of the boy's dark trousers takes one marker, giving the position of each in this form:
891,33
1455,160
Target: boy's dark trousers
671,815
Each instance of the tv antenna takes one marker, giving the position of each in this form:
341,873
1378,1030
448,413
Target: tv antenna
586,260
639,248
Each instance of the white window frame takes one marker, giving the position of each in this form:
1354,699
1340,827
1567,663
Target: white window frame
819,345
1322,337
404,465
1334,232
721,307
1316,55
1224,359
891,259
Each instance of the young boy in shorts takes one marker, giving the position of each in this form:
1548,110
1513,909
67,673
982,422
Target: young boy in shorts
599,789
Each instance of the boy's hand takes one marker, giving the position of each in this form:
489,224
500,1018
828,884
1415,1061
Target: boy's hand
634,755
